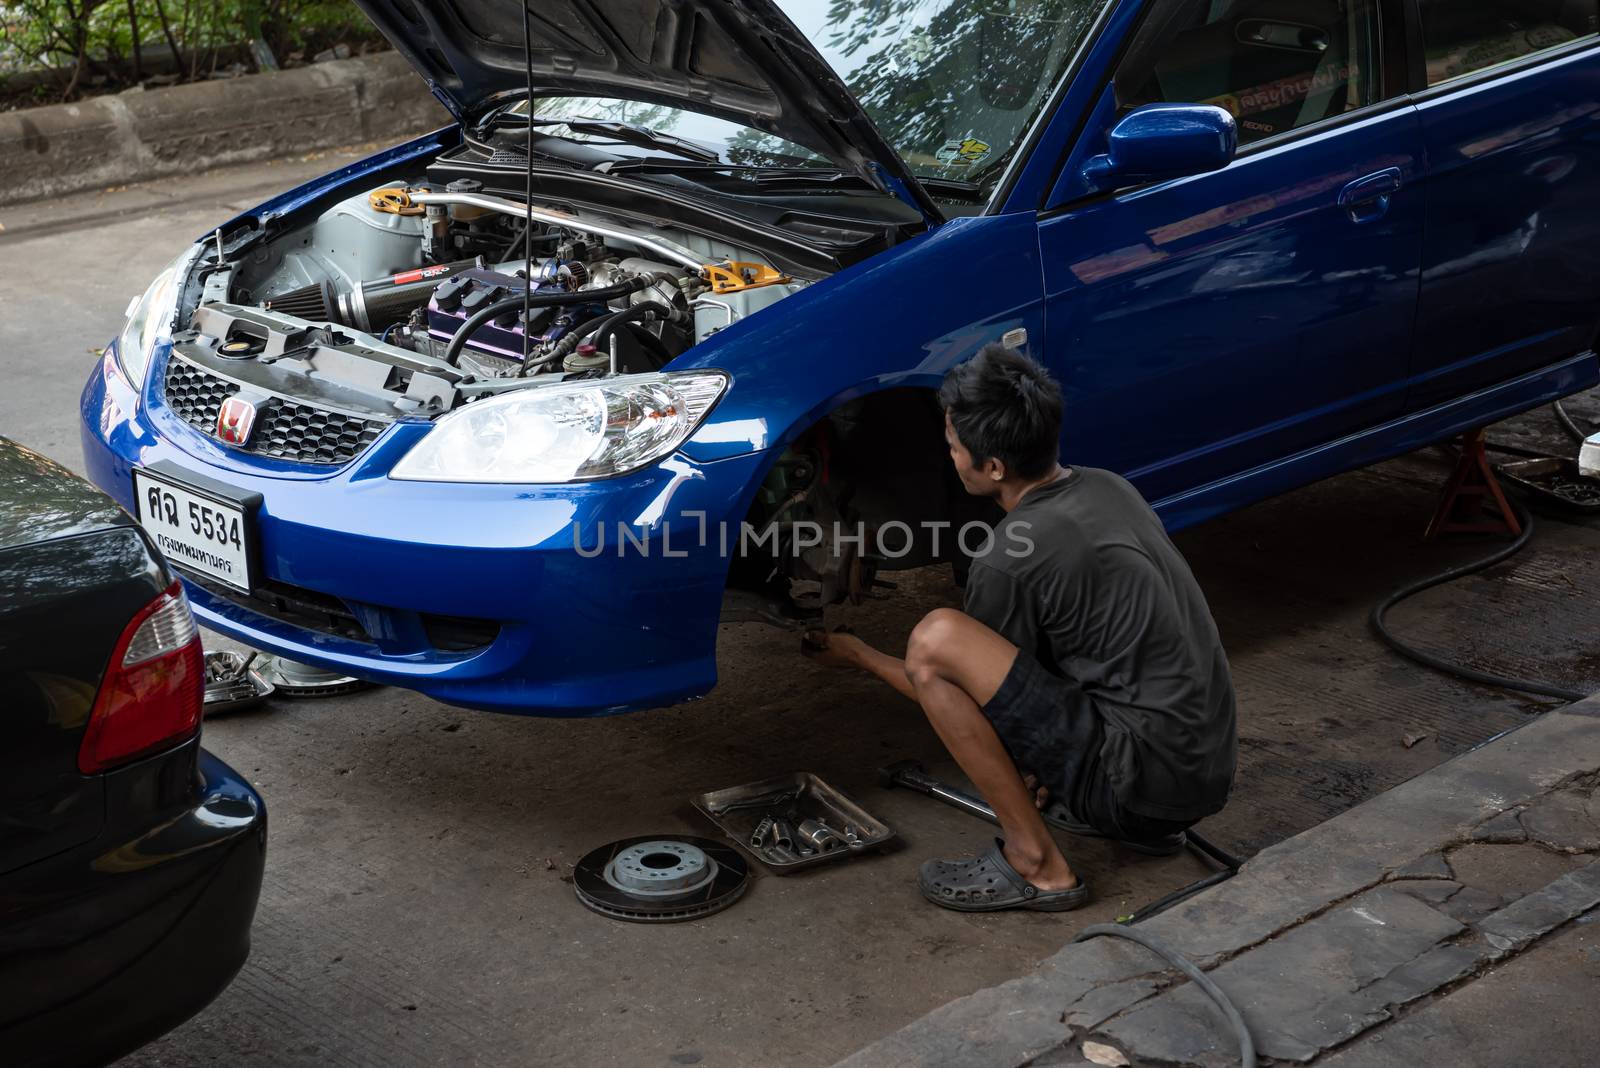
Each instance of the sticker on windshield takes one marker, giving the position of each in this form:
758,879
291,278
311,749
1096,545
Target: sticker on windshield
963,153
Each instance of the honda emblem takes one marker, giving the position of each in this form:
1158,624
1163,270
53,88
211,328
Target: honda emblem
235,420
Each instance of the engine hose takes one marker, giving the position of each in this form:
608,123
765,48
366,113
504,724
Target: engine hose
1448,667
575,336
1247,1044
516,244
632,313
568,342
458,340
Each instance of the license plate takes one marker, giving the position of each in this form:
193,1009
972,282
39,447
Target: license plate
201,530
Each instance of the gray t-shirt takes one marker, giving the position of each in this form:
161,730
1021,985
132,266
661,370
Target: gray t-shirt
1082,576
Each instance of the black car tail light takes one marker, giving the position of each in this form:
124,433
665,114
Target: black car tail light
151,695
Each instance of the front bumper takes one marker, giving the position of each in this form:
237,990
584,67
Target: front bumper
110,945
571,631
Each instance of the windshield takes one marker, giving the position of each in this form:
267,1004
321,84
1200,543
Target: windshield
735,143
953,85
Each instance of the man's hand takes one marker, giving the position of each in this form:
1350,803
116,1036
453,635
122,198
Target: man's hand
841,648
838,648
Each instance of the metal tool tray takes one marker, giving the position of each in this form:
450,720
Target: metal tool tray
1555,481
737,810
232,683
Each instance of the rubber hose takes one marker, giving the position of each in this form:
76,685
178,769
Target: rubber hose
458,340
1247,1045
568,342
1461,671
1574,431
1228,864
516,244
576,335
632,313
1183,893
583,330
1213,851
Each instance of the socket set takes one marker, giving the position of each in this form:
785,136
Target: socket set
794,822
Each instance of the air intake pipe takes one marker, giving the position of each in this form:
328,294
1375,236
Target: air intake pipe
371,306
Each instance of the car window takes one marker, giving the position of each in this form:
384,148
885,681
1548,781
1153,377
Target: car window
1460,37
1275,64
953,85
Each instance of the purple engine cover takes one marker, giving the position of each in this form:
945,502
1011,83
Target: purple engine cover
453,302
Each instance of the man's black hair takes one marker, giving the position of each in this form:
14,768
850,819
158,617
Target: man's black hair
1004,405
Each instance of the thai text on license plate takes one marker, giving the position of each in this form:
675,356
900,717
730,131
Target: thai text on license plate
195,530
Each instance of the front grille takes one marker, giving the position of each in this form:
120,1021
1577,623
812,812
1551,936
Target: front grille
284,429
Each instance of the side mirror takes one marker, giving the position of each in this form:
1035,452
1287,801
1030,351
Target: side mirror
1162,141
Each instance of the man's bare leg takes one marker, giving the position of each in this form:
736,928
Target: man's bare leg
956,665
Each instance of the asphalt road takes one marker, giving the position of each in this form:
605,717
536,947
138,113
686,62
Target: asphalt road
417,906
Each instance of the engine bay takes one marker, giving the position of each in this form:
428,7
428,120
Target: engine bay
409,300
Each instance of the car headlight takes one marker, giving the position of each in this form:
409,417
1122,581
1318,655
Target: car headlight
150,316
571,432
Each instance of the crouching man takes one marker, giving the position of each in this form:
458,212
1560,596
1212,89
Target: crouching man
1084,681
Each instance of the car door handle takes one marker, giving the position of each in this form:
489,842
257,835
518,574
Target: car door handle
1366,199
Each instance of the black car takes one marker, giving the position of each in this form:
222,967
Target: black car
130,858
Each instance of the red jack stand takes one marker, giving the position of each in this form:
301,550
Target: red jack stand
1472,484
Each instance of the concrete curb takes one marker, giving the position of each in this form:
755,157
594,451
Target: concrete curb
137,136
1536,785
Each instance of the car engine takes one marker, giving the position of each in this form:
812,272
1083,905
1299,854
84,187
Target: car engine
409,301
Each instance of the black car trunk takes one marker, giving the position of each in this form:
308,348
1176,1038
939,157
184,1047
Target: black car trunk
74,570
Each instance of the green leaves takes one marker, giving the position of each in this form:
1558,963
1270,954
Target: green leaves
91,42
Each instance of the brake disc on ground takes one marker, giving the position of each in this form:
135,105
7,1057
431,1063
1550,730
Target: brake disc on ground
293,679
657,879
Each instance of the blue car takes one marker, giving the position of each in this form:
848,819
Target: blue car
514,414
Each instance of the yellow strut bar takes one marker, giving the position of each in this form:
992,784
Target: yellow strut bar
734,275
394,200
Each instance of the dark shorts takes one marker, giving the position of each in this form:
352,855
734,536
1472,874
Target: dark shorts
1052,730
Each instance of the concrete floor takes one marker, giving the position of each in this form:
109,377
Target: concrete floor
1537,1008
417,909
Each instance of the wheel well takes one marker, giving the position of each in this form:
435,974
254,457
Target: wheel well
874,462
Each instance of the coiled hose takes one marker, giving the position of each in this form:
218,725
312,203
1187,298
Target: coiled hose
1450,667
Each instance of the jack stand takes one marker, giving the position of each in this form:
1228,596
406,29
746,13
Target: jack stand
1472,483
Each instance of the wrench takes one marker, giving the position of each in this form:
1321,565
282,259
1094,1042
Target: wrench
911,775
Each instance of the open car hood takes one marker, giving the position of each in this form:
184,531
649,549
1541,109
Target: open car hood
741,60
